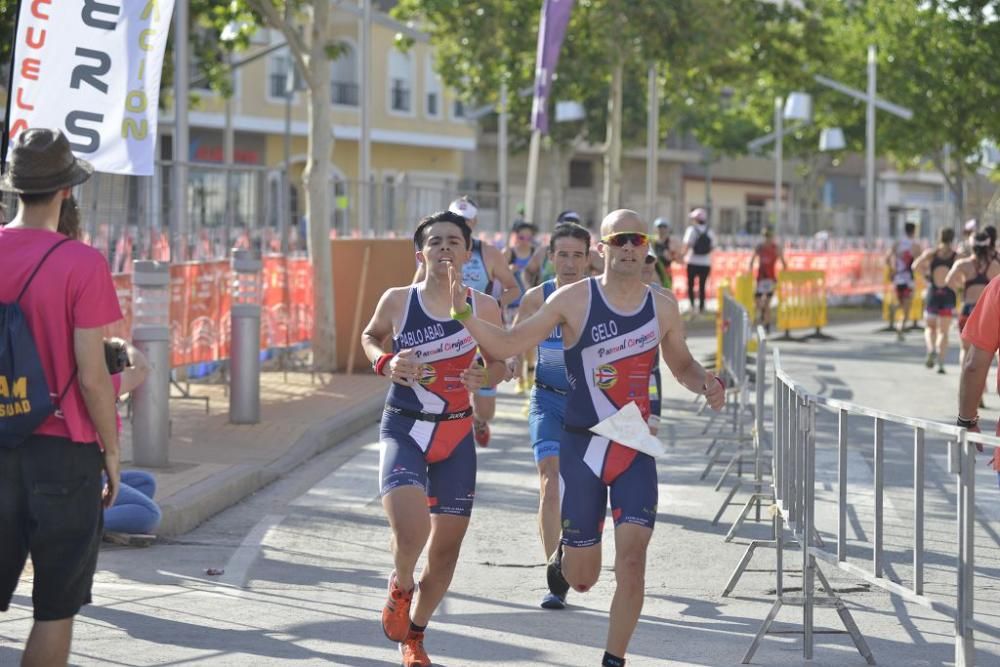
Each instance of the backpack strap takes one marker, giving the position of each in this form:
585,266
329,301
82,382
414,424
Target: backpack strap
38,267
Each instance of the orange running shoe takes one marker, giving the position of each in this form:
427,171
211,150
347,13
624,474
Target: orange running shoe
412,650
396,612
481,432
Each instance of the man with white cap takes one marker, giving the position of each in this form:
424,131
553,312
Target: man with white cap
486,265
698,243
967,247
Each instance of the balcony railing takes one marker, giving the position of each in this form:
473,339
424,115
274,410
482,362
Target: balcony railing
345,93
400,97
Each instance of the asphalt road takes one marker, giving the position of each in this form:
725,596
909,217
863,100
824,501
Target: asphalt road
305,560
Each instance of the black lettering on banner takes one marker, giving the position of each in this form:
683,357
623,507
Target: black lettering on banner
91,8
74,128
91,73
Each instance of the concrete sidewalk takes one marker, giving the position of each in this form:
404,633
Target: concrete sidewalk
215,464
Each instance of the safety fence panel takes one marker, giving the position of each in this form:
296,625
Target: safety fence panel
801,300
200,307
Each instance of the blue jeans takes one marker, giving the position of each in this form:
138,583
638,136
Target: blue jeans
134,511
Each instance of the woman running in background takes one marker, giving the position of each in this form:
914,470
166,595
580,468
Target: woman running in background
939,303
973,274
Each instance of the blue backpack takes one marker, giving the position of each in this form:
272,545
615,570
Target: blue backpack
25,401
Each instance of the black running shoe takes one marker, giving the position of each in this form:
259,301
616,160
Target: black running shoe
558,585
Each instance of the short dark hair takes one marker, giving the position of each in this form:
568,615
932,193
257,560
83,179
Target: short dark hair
442,216
946,235
569,230
991,231
37,198
524,224
910,228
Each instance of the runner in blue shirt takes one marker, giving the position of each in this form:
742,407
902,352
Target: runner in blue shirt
569,253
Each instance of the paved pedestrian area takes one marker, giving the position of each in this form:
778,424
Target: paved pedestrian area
214,464
305,560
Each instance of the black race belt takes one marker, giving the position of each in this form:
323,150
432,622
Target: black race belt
428,416
583,430
548,387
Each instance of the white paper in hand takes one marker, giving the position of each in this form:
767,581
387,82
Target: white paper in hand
627,427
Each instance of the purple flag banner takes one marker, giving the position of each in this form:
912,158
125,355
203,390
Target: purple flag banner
551,31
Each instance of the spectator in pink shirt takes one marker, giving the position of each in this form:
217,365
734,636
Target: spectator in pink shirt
51,489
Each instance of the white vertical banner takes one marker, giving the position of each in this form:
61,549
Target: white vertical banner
92,69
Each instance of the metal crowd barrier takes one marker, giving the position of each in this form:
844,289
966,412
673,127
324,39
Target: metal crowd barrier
735,341
760,457
794,487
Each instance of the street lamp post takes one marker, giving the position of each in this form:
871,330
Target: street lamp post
872,102
797,107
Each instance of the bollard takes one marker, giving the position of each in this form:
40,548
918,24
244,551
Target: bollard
151,336
244,355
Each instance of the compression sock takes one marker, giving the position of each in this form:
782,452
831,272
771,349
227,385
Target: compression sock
612,661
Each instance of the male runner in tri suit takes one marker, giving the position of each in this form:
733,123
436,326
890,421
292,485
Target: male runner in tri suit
768,252
972,275
611,328
428,461
939,303
540,268
899,259
569,249
486,265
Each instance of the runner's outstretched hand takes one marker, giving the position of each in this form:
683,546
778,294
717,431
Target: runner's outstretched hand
403,369
715,391
458,290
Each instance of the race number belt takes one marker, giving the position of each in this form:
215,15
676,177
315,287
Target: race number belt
548,387
428,416
582,430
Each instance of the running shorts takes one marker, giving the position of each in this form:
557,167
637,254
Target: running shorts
903,291
765,287
545,419
633,491
940,301
965,315
450,483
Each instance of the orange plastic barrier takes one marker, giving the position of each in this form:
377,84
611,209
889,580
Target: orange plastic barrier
199,307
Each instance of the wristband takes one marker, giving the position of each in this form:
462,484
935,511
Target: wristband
721,384
378,366
461,315
967,423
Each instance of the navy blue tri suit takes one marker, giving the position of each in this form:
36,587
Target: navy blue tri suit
608,367
548,397
426,432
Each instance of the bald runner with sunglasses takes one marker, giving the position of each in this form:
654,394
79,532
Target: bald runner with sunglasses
612,326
